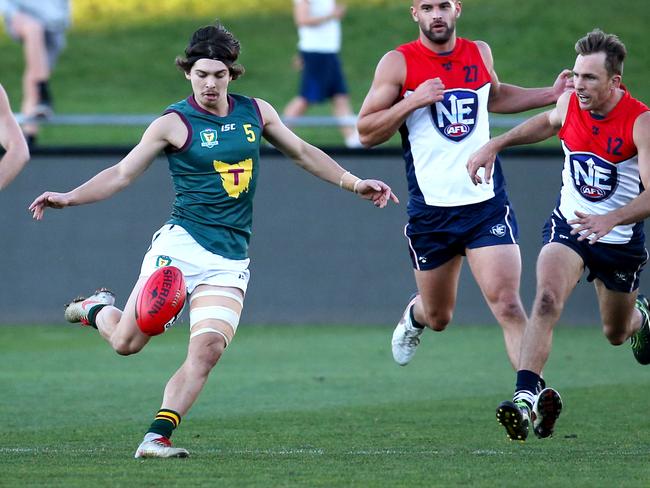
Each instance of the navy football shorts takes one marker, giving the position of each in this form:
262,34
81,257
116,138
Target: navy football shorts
618,266
438,234
322,77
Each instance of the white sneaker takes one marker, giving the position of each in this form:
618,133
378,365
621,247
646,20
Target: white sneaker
405,337
160,448
78,309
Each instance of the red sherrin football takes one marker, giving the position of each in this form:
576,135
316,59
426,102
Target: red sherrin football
160,300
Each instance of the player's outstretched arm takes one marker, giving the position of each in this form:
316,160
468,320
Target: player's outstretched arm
514,99
508,99
163,131
11,139
536,129
593,227
317,162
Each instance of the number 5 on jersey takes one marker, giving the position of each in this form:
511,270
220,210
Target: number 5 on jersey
250,135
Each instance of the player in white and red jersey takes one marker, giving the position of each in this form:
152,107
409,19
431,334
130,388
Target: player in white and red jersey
437,91
598,223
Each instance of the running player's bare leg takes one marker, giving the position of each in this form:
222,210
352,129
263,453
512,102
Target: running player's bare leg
497,270
620,319
558,270
438,289
432,307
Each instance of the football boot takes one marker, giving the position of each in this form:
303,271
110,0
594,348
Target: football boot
515,417
160,447
80,307
640,340
405,337
546,411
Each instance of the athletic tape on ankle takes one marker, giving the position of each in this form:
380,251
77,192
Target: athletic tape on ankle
217,293
224,314
209,330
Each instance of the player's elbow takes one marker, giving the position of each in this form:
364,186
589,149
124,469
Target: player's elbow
12,164
368,138
121,178
23,154
497,107
18,153
24,157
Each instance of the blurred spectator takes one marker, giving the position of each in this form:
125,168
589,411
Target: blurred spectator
319,42
12,141
40,26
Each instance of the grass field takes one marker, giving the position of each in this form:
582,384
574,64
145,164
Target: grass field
317,406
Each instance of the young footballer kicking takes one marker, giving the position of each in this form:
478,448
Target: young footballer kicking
212,142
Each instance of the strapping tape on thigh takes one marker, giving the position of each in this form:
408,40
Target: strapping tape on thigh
209,330
224,314
217,293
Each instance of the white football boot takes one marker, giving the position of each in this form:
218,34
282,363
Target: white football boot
160,447
78,309
405,337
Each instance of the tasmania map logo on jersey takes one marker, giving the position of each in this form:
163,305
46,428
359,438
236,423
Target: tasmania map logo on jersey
593,178
455,115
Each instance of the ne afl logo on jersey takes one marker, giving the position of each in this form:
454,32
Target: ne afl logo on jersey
455,116
593,178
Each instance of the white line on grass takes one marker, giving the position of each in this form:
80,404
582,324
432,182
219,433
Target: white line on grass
321,452
282,451
304,451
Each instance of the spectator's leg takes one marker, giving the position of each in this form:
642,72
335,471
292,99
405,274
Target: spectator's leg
37,70
341,108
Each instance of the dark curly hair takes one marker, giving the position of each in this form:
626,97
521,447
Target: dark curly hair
212,42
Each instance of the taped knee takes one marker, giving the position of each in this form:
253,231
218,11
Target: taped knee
217,293
209,330
227,319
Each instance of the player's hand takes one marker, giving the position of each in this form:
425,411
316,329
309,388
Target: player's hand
48,199
377,191
592,227
563,82
428,93
483,158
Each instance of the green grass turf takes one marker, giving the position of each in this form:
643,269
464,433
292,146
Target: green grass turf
317,406
127,66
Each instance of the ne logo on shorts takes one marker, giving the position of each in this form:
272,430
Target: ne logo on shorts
498,230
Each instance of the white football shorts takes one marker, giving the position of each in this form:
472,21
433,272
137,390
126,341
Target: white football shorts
172,245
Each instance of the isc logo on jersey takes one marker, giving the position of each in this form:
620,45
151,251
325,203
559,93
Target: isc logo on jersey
594,178
455,115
